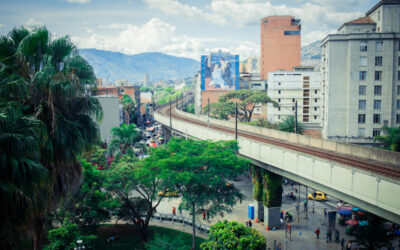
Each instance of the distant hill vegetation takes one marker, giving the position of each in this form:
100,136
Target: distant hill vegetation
114,65
311,54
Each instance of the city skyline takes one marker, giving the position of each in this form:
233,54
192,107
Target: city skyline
180,28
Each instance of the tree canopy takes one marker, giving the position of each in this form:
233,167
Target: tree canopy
390,138
233,235
202,172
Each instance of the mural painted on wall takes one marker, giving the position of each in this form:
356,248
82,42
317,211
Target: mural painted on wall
220,71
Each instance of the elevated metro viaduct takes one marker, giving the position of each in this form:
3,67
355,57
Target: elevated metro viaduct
366,177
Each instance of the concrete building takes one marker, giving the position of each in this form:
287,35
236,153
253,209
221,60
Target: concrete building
361,74
146,80
111,116
252,81
280,44
301,85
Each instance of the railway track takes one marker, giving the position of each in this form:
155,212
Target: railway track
384,169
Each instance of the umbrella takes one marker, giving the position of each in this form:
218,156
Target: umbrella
344,212
346,208
356,209
352,222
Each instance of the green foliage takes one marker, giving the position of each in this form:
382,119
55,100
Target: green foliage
96,155
45,83
166,95
163,242
288,125
145,89
189,108
272,191
128,106
390,139
257,181
89,206
248,100
220,110
263,123
233,235
65,237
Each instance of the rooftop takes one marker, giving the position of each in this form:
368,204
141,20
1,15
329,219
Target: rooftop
362,20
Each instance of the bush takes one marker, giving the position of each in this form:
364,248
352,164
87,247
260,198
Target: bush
65,237
233,235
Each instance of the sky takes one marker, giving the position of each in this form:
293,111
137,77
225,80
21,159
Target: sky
188,28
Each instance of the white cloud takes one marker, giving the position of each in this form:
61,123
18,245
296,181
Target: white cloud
154,35
78,1
175,8
31,23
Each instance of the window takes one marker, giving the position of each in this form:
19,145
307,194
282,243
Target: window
279,83
363,61
378,61
363,75
362,104
398,104
398,63
362,90
315,108
279,100
363,46
379,46
377,104
398,89
377,118
279,108
279,91
291,32
398,75
316,100
378,90
378,75
315,91
398,118
315,117
361,118
279,117
361,132
293,100
376,132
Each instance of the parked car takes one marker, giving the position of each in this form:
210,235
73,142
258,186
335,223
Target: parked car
317,196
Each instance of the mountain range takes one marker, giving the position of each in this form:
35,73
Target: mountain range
111,66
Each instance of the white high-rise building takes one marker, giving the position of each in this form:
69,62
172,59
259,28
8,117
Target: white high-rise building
146,80
302,85
361,75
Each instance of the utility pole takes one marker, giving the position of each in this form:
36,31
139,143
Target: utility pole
208,123
170,116
295,117
236,116
298,211
306,204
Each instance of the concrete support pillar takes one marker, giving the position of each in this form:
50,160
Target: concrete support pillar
272,217
259,210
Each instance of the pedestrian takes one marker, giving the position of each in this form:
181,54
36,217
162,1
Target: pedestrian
173,210
295,189
279,246
305,205
342,243
247,224
325,213
317,233
208,215
281,221
348,245
204,216
281,214
297,207
337,236
250,223
328,235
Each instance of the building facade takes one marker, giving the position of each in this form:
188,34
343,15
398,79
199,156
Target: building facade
301,86
360,75
280,44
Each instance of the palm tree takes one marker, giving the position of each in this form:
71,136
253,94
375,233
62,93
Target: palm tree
123,137
56,80
391,139
288,125
128,105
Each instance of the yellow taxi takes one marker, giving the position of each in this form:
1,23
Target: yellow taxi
317,196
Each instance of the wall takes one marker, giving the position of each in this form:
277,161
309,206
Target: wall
111,117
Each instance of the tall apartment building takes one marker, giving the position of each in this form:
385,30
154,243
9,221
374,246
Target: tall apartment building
361,75
280,44
302,85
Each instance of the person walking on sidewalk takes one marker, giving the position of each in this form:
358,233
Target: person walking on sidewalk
342,243
325,213
173,210
317,232
204,216
250,223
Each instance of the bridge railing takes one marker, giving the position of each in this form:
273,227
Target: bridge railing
376,154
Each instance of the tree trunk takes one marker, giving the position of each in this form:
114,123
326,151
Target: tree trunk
37,234
193,226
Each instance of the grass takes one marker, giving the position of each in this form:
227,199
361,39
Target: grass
128,237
